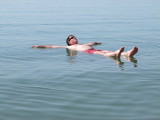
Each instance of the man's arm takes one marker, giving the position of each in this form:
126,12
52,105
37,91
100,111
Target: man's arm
93,43
47,46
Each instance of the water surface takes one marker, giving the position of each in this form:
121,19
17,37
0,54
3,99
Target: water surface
38,84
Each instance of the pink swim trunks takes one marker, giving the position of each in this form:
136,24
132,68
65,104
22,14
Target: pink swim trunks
91,51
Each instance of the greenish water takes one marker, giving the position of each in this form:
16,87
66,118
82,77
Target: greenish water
51,84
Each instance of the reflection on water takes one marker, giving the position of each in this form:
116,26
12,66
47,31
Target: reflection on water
132,60
71,56
121,64
118,62
71,52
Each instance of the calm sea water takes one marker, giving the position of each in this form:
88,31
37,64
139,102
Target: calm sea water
56,84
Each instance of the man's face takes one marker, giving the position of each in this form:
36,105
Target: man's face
73,41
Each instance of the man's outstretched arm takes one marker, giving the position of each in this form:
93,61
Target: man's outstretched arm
93,43
47,46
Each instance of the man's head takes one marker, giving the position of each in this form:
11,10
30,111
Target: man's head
71,40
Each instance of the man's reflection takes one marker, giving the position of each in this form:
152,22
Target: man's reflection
132,60
71,56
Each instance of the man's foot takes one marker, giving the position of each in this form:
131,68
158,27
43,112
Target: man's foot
131,52
118,52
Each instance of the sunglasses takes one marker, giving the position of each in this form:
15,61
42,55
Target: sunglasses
71,37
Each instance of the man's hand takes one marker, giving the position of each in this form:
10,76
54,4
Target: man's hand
97,43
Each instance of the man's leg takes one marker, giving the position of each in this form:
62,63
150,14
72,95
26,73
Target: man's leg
110,53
